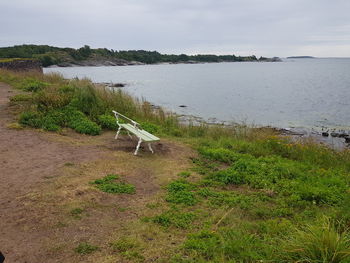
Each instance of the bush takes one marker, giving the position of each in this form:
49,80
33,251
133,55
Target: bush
49,124
51,99
150,127
80,123
108,122
53,120
84,125
32,84
31,118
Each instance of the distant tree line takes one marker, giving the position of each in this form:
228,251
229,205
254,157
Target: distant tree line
49,55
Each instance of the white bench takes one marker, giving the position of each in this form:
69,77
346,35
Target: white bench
135,128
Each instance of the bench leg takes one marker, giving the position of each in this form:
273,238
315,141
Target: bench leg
138,146
116,136
129,135
150,147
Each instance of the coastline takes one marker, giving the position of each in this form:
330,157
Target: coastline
120,62
336,138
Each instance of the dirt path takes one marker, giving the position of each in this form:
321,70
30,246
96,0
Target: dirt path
43,176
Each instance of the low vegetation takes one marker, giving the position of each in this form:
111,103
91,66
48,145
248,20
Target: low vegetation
85,248
250,196
49,55
110,184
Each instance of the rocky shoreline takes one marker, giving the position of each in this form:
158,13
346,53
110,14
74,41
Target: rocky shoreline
335,138
122,62
21,65
97,63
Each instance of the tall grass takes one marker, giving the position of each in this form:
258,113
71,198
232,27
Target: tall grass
322,242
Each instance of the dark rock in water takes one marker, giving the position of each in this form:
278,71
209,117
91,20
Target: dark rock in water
343,135
325,134
117,85
334,134
155,107
292,131
347,139
183,106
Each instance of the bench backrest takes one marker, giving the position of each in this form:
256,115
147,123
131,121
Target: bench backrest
117,115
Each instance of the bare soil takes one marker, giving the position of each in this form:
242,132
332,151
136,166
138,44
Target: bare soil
45,176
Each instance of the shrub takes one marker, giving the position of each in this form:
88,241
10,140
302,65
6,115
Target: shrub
32,84
31,118
80,123
150,127
50,98
53,120
107,121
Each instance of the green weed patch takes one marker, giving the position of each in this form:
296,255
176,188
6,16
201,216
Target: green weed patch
85,248
110,184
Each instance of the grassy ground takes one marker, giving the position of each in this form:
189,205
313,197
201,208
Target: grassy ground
243,195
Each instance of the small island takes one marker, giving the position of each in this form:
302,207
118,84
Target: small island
301,57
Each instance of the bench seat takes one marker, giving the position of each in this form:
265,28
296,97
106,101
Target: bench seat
144,135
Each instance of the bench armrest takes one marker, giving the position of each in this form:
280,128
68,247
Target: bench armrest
134,123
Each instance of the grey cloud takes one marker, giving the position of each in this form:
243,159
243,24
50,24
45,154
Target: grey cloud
243,27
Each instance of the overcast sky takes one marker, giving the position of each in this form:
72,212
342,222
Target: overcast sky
243,27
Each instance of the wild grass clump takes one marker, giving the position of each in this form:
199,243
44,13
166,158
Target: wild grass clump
109,184
123,245
21,97
85,248
227,245
76,213
128,248
323,241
